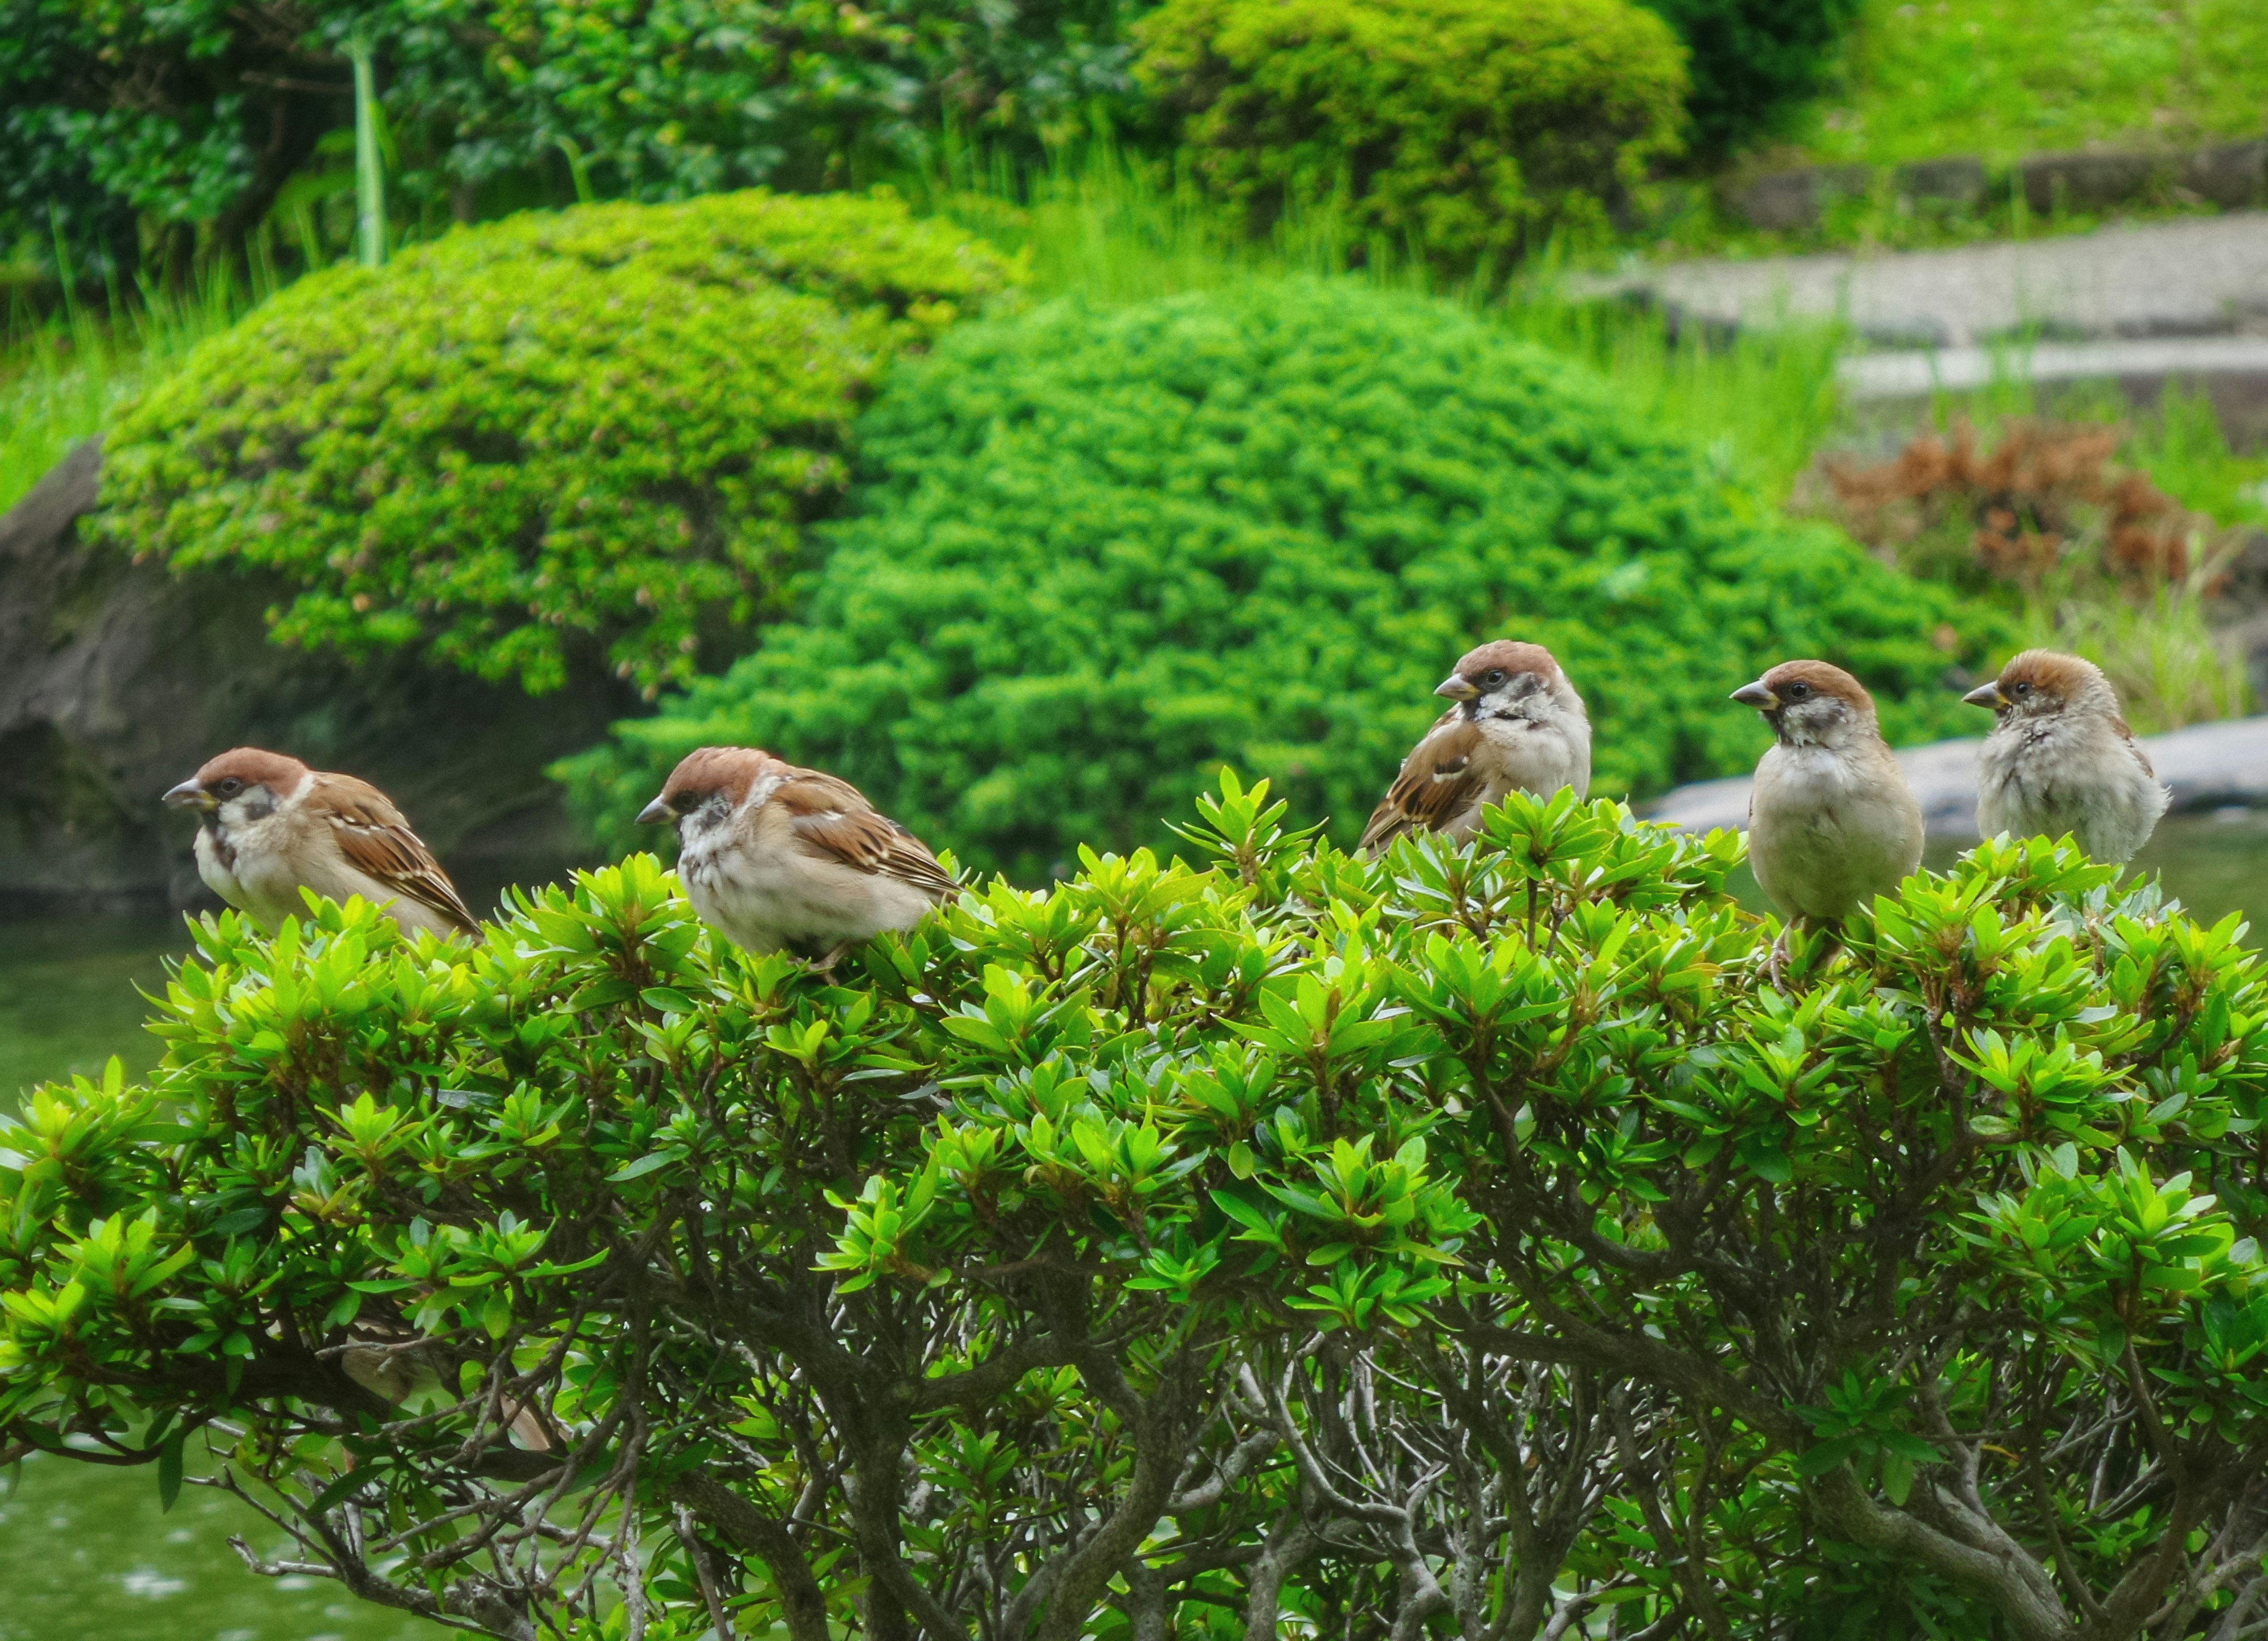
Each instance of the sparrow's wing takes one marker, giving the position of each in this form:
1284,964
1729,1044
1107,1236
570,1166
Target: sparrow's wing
378,843
2118,723
832,817
1437,782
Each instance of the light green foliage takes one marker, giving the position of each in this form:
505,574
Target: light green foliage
60,381
1468,130
1482,1229
1102,552
594,433
2004,78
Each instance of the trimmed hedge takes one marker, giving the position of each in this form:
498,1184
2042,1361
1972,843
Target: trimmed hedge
1009,1280
606,428
1096,554
1469,128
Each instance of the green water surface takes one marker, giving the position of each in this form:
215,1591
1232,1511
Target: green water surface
85,1554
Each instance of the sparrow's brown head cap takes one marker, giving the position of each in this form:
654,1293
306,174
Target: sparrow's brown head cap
237,771
712,771
1793,682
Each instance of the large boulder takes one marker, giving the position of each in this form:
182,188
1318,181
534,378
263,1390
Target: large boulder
117,679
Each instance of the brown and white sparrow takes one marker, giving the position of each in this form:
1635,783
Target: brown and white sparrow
1518,725
779,858
2061,759
1831,821
401,1367
272,826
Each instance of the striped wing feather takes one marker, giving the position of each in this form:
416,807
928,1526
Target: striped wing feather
373,836
833,817
1437,783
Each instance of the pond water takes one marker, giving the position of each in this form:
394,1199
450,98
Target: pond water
85,1553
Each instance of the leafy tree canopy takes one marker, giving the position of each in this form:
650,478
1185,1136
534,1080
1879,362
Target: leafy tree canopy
1465,1239
122,125
1750,59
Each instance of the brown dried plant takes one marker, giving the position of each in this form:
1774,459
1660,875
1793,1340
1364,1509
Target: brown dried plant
2046,498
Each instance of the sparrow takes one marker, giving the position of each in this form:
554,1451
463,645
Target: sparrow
2061,759
401,1367
777,858
1831,821
1517,725
271,826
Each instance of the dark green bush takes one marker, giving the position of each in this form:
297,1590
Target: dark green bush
1750,59
1462,1241
1097,553
1469,129
125,124
605,427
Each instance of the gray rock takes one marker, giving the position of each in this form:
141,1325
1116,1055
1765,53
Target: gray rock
2092,181
1959,182
2208,766
2233,174
1789,201
118,679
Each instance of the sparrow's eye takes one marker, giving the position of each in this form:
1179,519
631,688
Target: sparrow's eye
1494,676
2023,689
229,786
1797,692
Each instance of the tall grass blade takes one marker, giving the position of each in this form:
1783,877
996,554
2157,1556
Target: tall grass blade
370,172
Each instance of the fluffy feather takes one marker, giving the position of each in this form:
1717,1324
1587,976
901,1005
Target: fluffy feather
1831,821
271,826
1518,726
2060,759
776,857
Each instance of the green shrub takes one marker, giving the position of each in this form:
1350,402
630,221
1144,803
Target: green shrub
1478,1235
1098,553
1469,128
605,426
1750,59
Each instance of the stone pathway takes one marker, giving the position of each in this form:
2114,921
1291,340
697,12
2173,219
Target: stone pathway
2197,276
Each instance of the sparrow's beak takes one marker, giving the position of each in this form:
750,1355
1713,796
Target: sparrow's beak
191,795
1986,695
1457,689
656,811
1756,696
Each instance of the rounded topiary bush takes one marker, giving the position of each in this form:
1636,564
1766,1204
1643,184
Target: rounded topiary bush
606,426
1096,554
1469,128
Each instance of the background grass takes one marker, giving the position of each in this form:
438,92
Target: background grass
2002,78
61,376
